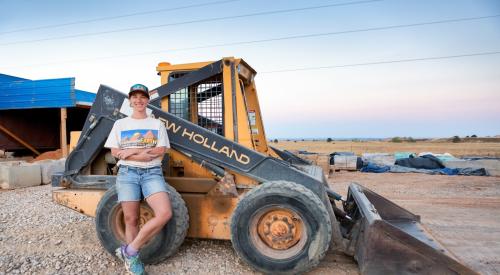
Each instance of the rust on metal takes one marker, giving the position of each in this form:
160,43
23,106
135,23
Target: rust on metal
224,187
191,185
209,217
118,220
82,200
280,229
278,232
388,239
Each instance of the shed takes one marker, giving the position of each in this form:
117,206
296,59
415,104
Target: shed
39,114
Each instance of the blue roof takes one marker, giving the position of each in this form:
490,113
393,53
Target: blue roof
84,98
8,78
19,93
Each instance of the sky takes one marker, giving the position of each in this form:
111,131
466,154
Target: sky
325,68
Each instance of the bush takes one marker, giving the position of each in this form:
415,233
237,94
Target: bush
396,139
329,140
410,139
473,136
456,139
275,140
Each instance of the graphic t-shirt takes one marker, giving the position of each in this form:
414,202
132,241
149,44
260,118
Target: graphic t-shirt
138,133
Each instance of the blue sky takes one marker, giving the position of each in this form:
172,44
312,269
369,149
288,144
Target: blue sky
422,98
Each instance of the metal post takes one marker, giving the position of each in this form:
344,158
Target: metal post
64,142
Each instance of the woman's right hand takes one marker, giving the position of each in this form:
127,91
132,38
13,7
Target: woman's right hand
146,155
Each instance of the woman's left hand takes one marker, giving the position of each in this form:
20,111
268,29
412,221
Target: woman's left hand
125,153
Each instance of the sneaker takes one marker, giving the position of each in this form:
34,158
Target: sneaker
133,264
120,253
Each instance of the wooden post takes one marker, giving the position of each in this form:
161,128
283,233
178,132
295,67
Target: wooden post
18,139
64,142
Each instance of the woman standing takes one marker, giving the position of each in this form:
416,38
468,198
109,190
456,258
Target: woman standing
139,142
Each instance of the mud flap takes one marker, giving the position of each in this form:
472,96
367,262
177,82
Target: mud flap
384,238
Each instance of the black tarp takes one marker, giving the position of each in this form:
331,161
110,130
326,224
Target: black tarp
423,162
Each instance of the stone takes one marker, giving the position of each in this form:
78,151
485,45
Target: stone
49,167
15,175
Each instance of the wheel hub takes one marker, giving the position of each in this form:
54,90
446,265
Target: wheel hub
145,214
280,229
118,221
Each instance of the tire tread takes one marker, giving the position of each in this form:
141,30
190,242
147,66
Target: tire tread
279,187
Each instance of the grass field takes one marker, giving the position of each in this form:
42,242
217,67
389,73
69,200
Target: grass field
487,149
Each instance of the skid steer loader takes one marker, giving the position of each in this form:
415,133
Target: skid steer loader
228,183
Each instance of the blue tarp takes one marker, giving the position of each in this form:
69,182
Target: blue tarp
403,155
374,168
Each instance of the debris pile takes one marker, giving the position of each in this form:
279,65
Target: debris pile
57,154
403,162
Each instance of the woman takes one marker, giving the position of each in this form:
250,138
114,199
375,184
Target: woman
139,142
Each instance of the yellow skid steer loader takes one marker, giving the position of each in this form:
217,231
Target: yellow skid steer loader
227,183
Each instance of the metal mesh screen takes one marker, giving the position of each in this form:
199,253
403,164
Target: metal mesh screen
208,103
179,101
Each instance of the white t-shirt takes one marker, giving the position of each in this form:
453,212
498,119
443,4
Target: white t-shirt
138,133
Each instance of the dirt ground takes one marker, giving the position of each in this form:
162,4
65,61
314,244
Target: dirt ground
38,236
462,212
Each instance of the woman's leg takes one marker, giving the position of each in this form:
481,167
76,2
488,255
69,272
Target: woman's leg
129,194
131,216
160,202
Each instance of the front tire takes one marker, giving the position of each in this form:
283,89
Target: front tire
281,228
110,226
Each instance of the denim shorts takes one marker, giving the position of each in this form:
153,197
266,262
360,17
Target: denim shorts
134,183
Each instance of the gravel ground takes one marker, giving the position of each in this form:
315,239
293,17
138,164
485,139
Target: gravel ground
38,236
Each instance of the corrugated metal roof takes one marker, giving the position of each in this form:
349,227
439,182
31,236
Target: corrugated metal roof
8,78
84,98
49,93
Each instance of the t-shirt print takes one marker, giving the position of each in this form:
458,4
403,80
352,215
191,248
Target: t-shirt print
138,138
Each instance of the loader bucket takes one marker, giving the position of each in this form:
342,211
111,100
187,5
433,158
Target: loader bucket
384,238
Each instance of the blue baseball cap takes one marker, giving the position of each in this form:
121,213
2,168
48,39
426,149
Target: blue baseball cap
139,88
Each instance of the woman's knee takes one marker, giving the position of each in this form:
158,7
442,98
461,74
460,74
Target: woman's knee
164,216
131,219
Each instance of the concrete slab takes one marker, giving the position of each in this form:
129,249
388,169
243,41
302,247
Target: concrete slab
49,167
16,174
345,162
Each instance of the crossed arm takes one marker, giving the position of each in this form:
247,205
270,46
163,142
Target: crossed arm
138,154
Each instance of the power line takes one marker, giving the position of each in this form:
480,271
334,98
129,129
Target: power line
192,22
118,16
272,39
382,62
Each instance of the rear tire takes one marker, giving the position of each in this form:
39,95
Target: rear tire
110,226
281,228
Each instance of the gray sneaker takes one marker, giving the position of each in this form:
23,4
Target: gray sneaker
119,253
133,264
